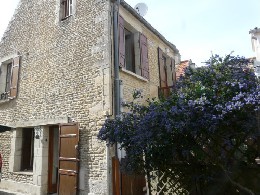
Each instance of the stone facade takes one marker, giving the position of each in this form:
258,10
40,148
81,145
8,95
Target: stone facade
66,75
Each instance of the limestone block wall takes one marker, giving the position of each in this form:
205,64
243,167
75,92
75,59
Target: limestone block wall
5,150
65,72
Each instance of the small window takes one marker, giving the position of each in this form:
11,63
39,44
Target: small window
129,51
166,73
66,9
5,80
133,49
27,149
9,78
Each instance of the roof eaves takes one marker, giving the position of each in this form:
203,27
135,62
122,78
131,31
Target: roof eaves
148,25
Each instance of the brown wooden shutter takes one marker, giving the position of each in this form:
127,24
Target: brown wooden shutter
68,159
173,77
144,57
170,71
15,77
121,42
163,76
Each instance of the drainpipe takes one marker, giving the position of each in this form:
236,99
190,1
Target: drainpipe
117,102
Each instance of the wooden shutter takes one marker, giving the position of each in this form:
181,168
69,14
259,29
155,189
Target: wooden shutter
170,72
173,71
144,57
15,77
121,42
68,159
162,70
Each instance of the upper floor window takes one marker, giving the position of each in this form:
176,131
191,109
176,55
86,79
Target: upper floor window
9,71
133,49
66,9
166,72
129,51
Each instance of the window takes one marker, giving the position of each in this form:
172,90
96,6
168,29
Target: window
166,72
27,149
5,79
133,50
66,9
129,51
9,72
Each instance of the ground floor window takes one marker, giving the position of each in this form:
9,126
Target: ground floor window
27,149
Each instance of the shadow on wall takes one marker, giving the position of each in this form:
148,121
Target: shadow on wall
6,193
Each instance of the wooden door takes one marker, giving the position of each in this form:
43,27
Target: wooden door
130,184
133,184
68,159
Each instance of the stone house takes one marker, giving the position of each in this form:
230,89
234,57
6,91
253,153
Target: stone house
61,78
255,40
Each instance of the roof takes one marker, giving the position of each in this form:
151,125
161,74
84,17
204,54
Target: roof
180,70
148,25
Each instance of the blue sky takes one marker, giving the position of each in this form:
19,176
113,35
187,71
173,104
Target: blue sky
196,27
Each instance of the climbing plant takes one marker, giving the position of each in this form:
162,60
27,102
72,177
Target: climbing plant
202,139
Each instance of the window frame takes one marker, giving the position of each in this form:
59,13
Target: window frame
130,51
29,150
66,9
167,80
15,60
6,72
139,48
8,77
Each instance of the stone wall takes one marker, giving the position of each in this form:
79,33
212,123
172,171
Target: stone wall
65,73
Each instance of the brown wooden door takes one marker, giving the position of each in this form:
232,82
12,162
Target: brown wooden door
133,184
130,184
68,159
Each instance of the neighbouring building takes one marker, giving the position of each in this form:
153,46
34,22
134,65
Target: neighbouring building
255,40
180,68
58,64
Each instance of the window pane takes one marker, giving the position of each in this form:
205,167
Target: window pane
27,149
8,77
129,51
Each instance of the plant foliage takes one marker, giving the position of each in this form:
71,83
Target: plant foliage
206,132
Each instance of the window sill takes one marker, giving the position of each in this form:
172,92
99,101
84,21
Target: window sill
134,75
65,18
24,172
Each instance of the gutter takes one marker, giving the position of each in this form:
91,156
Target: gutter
149,26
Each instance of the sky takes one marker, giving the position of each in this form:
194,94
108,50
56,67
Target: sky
196,27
